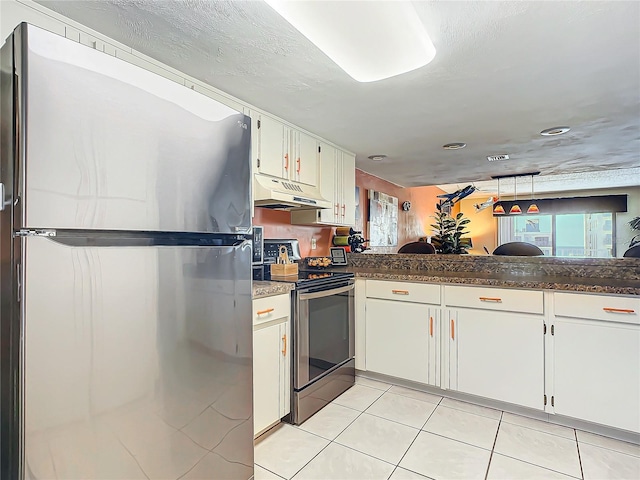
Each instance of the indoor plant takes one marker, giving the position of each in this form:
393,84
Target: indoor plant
449,231
634,223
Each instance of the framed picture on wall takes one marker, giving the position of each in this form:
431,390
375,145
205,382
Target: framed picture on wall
383,219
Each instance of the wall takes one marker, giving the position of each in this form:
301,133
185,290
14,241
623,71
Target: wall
277,224
484,227
412,224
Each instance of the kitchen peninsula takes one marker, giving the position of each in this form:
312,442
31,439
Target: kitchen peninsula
620,276
535,336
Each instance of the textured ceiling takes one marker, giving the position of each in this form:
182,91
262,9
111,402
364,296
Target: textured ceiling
503,72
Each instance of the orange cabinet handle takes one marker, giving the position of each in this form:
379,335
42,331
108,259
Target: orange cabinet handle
618,310
491,299
298,170
286,159
284,347
400,292
453,330
431,326
262,312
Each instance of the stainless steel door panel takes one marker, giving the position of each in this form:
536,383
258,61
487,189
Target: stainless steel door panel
301,345
302,375
137,361
111,146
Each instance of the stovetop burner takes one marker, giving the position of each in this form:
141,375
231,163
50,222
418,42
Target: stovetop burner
307,277
310,277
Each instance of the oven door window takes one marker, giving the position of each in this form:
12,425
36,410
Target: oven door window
328,332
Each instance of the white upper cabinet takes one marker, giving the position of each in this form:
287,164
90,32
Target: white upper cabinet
337,184
284,152
329,179
269,146
348,190
305,156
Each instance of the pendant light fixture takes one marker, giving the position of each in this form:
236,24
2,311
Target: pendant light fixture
498,209
515,209
533,208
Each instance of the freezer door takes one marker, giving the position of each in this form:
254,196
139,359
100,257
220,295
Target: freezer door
137,361
111,146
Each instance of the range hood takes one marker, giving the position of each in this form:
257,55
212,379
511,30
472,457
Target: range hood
272,192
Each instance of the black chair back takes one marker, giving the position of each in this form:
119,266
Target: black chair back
417,247
519,249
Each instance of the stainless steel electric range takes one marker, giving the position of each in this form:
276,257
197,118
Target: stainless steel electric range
322,313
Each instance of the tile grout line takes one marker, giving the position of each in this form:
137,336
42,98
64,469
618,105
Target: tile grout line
416,437
495,440
537,429
279,476
575,434
333,441
536,465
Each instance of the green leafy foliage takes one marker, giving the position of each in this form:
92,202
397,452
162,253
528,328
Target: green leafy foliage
634,223
448,232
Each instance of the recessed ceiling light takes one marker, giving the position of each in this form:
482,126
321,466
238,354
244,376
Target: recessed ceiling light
495,158
554,131
369,40
377,158
454,146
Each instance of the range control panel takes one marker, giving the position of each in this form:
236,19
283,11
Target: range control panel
272,249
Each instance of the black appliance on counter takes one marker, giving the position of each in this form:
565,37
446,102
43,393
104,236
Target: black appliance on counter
322,325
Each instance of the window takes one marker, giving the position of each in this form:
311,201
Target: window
565,235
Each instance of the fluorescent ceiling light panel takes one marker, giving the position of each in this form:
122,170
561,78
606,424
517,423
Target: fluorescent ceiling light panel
368,40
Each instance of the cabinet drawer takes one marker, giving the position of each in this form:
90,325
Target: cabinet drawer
597,307
266,309
503,299
404,291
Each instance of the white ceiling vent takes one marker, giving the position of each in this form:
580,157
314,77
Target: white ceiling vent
495,158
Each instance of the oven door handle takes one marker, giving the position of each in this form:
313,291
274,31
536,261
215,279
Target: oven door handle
326,293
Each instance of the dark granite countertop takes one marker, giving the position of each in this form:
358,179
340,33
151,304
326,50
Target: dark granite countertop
268,289
512,280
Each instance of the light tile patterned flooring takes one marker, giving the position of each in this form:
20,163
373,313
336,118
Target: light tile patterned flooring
380,431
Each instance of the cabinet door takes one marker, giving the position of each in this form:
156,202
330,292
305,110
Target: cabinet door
306,160
328,179
267,366
348,175
397,339
285,368
596,372
434,346
271,147
448,324
500,355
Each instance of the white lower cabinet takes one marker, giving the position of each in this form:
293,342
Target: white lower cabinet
597,372
271,362
397,339
401,340
498,355
596,363
570,354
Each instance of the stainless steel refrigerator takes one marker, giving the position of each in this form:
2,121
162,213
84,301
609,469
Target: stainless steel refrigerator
126,340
